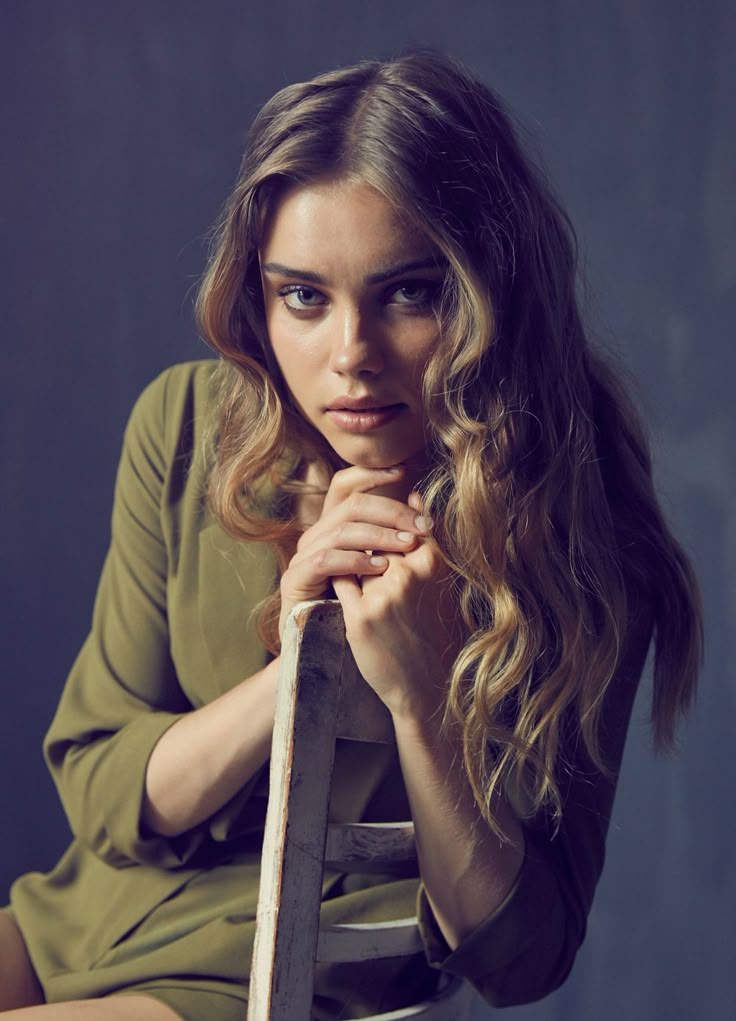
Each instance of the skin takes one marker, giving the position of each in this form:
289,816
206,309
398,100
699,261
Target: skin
21,998
348,334
336,329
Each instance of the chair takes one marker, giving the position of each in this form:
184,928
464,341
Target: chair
321,695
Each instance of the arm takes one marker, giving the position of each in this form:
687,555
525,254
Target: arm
203,760
466,870
124,694
525,945
509,917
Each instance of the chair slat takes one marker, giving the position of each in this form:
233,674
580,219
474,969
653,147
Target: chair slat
282,971
452,1002
369,847
367,941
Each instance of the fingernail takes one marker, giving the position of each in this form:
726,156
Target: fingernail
404,536
423,522
378,561
395,469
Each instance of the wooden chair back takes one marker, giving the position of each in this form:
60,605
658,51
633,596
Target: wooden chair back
321,696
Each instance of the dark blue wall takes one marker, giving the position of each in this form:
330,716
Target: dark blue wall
121,131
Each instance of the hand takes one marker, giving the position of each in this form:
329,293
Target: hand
353,522
403,627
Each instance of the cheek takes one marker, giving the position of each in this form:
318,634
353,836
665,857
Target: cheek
283,347
416,356
297,362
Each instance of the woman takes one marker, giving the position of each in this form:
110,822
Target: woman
406,413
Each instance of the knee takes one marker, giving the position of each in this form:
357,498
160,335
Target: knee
19,986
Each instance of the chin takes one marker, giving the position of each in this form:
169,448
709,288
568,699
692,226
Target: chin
373,456
373,462
415,461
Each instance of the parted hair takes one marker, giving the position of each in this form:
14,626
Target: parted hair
541,483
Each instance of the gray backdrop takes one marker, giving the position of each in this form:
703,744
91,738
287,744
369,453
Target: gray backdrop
121,130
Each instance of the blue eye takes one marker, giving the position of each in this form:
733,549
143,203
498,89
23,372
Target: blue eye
412,293
416,295
298,298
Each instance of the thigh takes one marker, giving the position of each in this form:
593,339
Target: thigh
109,1008
19,986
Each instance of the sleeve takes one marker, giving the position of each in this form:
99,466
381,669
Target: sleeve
122,692
526,948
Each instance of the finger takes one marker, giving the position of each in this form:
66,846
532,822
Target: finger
368,580
358,479
367,509
356,535
308,576
426,560
348,592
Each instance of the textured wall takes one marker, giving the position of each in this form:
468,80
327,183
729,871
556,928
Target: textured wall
121,130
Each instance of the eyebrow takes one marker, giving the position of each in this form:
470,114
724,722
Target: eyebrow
380,277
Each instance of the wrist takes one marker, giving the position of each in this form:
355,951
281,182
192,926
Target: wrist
420,721
421,708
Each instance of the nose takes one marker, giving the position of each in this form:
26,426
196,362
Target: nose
356,348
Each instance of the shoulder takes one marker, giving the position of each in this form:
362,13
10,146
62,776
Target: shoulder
185,387
172,414
166,434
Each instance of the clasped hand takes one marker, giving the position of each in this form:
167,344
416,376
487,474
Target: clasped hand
392,582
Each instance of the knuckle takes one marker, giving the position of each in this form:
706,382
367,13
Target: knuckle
343,480
381,607
405,518
381,538
337,486
354,503
320,559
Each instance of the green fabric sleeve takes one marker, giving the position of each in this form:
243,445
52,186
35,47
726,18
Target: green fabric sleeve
123,693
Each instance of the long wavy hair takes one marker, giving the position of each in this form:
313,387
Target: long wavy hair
541,486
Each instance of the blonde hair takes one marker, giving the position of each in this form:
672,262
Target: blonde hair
541,487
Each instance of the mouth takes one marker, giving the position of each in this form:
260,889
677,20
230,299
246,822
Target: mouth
360,417
367,403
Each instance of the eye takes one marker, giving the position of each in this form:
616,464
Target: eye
416,294
300,298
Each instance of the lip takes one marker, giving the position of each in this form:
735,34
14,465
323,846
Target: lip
365,403
364,419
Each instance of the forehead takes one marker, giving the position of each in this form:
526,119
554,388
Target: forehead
339,221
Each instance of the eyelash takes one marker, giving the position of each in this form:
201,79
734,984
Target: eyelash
431,287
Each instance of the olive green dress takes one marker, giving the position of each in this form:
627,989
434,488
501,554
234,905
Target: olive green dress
128,911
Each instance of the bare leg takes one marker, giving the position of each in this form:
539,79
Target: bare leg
18,983
110,1008
21,997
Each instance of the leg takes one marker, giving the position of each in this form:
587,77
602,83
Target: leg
133,1007
18,983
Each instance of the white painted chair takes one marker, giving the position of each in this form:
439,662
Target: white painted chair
321,695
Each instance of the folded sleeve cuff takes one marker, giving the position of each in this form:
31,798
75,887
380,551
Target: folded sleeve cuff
118,834
517,953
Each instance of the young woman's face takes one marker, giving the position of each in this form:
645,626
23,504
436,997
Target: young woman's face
349,291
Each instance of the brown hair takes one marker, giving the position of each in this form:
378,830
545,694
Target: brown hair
542,486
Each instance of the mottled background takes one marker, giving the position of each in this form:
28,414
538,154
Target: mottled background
121,127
